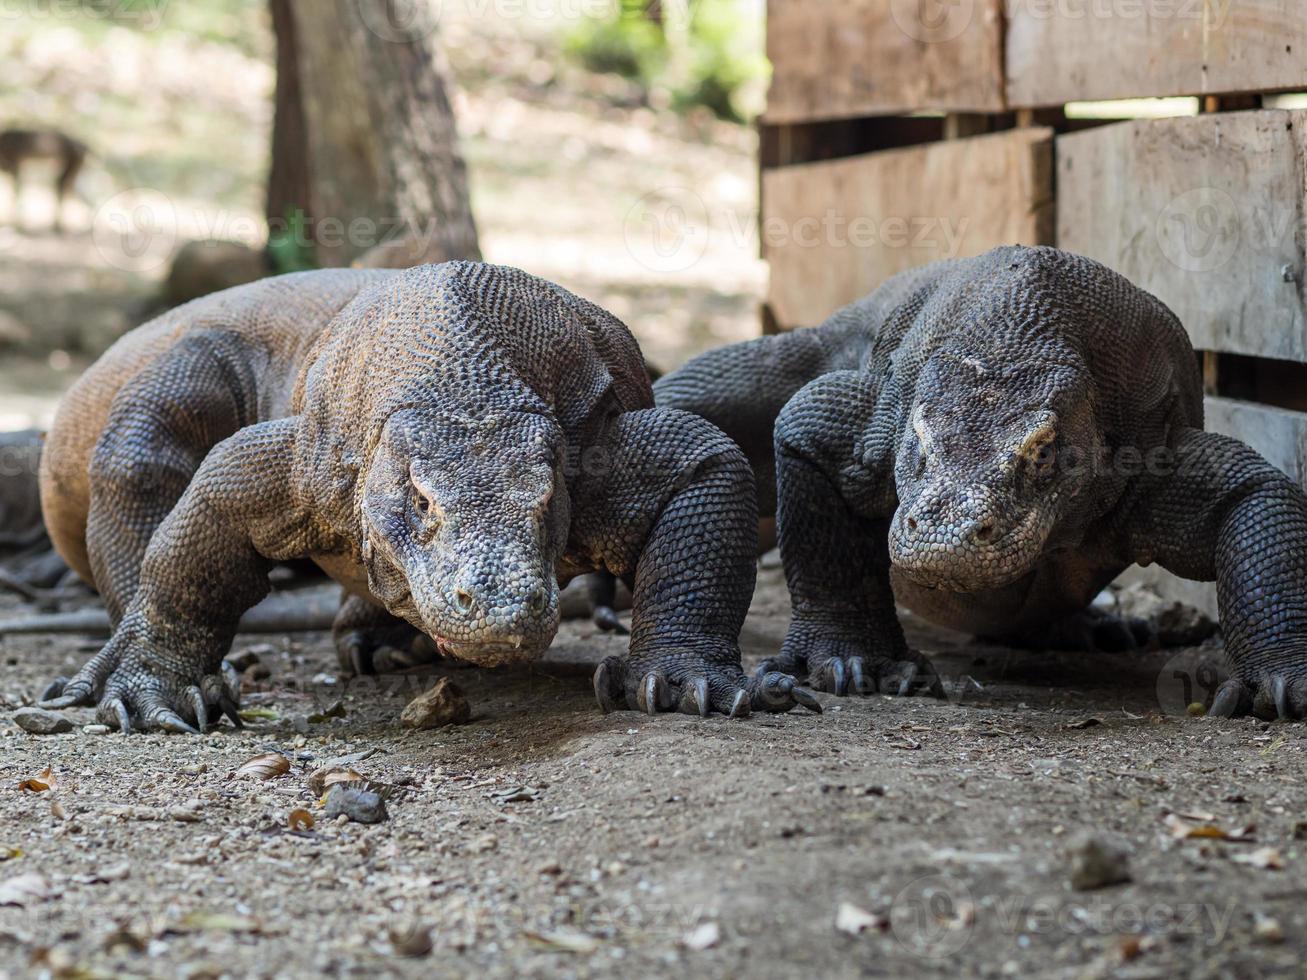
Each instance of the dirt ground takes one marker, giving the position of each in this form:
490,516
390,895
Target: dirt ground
545,839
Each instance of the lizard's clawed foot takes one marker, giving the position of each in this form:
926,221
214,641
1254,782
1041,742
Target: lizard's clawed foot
694,688
129,693
842,671
361,654
1271,697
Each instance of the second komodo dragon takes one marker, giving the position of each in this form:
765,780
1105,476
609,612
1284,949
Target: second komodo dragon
449,442
992,441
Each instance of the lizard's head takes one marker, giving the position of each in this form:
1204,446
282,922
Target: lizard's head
463,521
982,471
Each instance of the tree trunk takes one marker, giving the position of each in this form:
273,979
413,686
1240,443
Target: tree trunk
385,182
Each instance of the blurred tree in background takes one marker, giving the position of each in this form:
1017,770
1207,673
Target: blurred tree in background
365,161
682,52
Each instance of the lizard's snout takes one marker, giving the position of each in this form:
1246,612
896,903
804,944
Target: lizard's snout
491,616
961,543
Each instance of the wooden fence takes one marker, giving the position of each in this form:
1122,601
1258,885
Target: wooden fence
899,132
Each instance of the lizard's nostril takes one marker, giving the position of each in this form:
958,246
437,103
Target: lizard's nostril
539,599
985,533
464,599
912,523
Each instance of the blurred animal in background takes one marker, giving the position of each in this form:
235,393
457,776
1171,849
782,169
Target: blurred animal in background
28,563
19,146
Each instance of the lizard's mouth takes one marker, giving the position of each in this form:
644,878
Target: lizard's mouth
509,650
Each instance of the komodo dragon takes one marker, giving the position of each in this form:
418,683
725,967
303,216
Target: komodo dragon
991,441
449,442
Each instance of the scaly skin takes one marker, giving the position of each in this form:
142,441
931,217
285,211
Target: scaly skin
991,441
449,442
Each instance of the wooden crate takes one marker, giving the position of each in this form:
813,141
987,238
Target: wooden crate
1207,213
835,230
836,59
1060,51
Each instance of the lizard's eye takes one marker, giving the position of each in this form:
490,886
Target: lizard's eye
1044,460
421,503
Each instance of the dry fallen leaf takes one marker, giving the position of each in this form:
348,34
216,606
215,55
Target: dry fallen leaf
26,889
300,819
267,766
1266,858
40,783
566,940
321,780
1183,830
1085,723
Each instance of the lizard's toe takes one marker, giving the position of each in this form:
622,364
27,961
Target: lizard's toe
134,698
1274,697
84,687
695,689
776,691
606,619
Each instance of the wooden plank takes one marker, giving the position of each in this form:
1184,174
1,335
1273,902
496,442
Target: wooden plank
835,230
1207,213
1074,50
835,59
1277,433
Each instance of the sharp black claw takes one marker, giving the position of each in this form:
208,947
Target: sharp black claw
806,698
200,708
53,690
857,675
909,678
652,695
740,707
172,722
1228,699
694,697
837,680
606,618
603,688
122,716
360,660
62,701
1280,695
231,709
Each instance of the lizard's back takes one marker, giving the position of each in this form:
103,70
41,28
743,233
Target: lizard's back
278,319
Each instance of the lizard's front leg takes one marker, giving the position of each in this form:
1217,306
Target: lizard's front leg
1223,513
669,502
834,477
206,564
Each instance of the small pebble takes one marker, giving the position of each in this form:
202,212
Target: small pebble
96,729
444,704
38,721
358,805
1098,861
1268,930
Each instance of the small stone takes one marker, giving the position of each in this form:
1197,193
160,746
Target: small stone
444,704
550,868
1268,930
484,844
96,729
358,805
853,920
413,939
1098,861
1197,709
704,936
38,721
